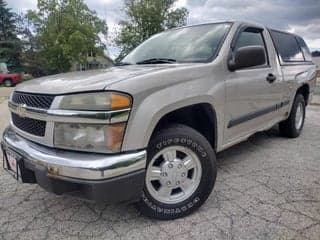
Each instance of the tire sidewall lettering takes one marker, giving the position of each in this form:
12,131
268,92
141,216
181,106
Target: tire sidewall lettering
175,210
194,145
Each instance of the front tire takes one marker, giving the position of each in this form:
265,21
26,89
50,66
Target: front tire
292,127
181,172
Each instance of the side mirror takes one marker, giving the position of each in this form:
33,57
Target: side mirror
246,57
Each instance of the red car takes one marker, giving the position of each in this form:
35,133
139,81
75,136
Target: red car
9,79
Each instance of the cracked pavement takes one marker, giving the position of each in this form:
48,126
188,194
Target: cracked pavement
267,188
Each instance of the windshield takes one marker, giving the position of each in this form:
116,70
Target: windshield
189,44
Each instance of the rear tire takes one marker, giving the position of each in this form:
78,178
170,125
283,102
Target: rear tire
292,127
181,172
7,82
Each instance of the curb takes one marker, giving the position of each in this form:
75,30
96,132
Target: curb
314,104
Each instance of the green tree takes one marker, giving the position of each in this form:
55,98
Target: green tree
66,30
9,42
146,18
31,59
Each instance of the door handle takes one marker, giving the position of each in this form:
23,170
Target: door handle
271,78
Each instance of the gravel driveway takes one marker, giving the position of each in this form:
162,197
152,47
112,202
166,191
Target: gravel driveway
267,188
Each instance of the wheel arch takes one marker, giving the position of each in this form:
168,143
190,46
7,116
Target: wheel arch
202,117
304,90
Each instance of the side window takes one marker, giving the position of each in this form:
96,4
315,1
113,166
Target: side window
305,49
251,37
287,46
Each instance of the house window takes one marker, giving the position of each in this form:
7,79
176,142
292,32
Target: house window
92,54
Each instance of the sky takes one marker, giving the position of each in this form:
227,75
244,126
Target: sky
298,16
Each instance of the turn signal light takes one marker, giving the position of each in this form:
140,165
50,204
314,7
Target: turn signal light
120,101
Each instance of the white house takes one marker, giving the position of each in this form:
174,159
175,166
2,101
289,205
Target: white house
93,62
3,67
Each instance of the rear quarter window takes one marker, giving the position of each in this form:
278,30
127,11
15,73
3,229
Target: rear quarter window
305,49
287,47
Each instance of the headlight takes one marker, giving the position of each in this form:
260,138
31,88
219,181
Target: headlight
89,137
95,101
92,137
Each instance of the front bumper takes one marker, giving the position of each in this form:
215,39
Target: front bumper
100,177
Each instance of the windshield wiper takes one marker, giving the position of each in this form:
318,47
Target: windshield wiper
157,60
123,64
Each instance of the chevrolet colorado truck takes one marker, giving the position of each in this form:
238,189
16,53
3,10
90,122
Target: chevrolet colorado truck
148,130
9,79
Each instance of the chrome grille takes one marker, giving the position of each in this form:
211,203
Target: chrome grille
29,125
33,100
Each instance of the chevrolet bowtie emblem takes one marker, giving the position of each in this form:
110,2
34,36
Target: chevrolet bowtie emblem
21,111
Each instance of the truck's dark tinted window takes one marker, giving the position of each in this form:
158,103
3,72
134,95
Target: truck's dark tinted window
305,49
287,47
250,38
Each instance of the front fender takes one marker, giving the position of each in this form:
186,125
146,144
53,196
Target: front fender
147,113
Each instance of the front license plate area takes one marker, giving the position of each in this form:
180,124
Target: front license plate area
11,162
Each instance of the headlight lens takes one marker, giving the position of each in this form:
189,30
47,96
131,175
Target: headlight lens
95,101
89,137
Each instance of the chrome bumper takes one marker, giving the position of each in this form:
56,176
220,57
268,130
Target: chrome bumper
71,164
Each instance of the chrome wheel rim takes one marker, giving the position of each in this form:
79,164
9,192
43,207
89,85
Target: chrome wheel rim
299,116
173,175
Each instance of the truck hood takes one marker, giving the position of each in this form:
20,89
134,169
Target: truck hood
88,80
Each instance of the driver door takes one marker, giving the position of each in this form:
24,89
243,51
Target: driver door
251,99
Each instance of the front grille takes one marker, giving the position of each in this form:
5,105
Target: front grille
32,126
33,100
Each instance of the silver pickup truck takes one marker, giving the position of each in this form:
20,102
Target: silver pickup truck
148,130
